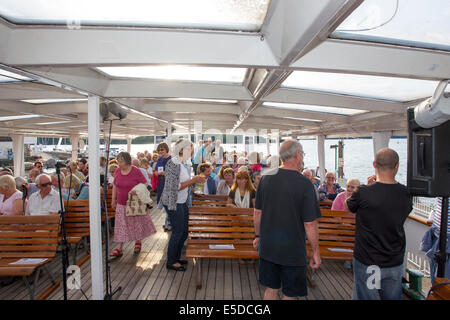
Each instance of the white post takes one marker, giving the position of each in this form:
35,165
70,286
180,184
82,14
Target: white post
275,133
268,144
380,140
94,197
321,156
75,139
129,144
169,135
277,138
18,151
198,127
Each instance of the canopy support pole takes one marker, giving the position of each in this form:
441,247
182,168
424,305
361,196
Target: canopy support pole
380,140
18,151
129,144
94,197
321,155
75,139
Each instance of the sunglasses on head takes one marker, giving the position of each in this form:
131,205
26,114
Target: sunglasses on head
46,184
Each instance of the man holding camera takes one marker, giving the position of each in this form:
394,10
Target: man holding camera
381,208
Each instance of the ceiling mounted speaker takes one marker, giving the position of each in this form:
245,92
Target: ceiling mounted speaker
117,110
107,110
104,113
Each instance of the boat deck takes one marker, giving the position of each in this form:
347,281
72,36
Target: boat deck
144,277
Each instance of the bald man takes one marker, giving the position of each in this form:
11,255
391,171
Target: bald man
286,212
381,209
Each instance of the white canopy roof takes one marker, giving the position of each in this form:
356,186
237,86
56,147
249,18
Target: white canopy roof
332,67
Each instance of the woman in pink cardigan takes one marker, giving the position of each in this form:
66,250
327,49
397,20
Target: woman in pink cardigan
339,202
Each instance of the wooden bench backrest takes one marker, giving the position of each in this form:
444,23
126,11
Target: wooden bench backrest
109,199
221,225
111,211
209,203
77,217
336,228
29,236
324,205
210,197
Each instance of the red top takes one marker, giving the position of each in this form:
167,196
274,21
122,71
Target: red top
124,183
256,167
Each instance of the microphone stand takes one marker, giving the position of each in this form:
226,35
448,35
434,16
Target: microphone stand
441,254
65,261
24,196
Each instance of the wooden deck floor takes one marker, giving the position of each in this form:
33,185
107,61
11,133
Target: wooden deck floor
144,277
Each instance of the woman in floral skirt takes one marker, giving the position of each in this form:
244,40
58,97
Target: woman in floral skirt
128,228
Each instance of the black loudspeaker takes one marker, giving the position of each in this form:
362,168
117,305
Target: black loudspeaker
428,159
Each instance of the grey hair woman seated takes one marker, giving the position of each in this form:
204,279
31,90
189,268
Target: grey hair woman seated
10,198
175,199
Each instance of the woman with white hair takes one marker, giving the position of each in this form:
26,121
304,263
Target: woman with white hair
10,198
339,202
175,198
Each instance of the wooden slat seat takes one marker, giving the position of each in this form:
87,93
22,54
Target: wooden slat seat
27,237
324,205
77,225
77,218
213,203
441,289
336,236
111,211
241,251
210,197
220,226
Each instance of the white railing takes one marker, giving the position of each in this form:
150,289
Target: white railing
422,264
423,206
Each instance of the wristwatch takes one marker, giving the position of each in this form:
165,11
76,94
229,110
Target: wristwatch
256,235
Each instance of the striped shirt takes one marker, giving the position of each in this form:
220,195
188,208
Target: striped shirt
436,215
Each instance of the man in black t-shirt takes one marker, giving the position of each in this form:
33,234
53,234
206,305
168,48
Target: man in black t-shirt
381,209
286,209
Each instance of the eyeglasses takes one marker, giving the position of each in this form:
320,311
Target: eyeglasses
45,184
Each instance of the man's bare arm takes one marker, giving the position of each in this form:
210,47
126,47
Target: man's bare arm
312,232
257,222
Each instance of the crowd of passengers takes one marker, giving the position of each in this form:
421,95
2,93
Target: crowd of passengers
172,176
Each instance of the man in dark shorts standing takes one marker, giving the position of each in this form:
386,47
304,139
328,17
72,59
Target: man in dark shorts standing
381,209
286,208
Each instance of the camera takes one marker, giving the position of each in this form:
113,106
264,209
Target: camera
60,164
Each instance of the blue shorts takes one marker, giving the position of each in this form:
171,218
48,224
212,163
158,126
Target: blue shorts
291,279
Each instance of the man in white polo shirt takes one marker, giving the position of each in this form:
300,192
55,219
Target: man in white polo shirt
46,201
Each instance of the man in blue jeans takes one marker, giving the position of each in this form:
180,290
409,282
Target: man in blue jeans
381,209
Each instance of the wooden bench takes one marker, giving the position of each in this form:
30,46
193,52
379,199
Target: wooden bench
209,203
323,204
28,237
77,225
210,197
111,211
209,200
336,237
220,226
440,289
